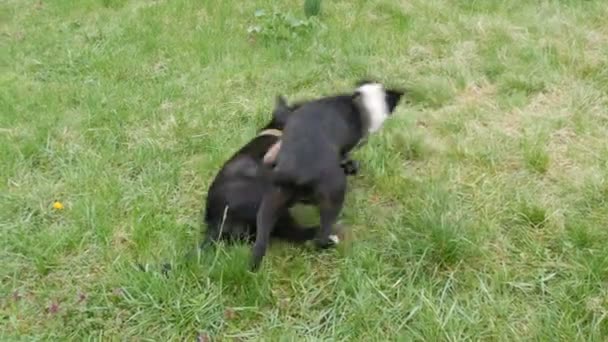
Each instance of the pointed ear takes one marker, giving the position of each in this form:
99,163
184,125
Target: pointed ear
281,103
280,107
280,111
392,98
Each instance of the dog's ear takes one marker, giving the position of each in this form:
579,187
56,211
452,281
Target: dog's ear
392,98
281,110
281,104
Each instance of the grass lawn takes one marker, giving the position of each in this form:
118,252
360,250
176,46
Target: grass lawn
480,212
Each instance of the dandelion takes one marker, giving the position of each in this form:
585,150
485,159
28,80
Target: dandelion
57,205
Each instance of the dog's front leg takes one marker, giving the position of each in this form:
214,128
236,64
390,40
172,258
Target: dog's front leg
272,203
350,166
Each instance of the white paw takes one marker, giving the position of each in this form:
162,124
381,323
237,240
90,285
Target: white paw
335,239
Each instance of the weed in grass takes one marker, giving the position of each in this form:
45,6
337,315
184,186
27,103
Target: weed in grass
278,26
535,155
312,7
532,215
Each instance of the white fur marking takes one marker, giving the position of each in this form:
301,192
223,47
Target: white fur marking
335,239
373,99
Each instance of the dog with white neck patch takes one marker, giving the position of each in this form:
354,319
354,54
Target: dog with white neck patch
307,164
236,192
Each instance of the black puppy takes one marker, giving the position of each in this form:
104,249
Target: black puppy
235,194
308,165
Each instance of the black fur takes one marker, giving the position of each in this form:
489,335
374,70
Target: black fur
308,165
235,194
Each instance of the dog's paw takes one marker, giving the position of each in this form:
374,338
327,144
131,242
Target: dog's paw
166,268
329,242
257,255
254,265
350,167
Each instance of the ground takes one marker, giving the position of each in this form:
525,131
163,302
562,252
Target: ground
480,211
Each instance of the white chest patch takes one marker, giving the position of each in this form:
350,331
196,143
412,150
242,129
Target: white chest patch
373,100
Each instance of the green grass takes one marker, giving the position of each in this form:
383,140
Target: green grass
481,211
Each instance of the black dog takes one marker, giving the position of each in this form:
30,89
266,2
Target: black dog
235,194
308,165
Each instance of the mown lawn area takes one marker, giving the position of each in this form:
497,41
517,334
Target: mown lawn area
480,211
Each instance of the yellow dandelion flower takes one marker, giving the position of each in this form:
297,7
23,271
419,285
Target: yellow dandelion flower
57,205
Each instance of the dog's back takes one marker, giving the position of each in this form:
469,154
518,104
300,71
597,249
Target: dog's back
315,137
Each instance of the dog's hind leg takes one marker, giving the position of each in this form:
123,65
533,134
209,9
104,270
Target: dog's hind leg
288,229
330,198
273,203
